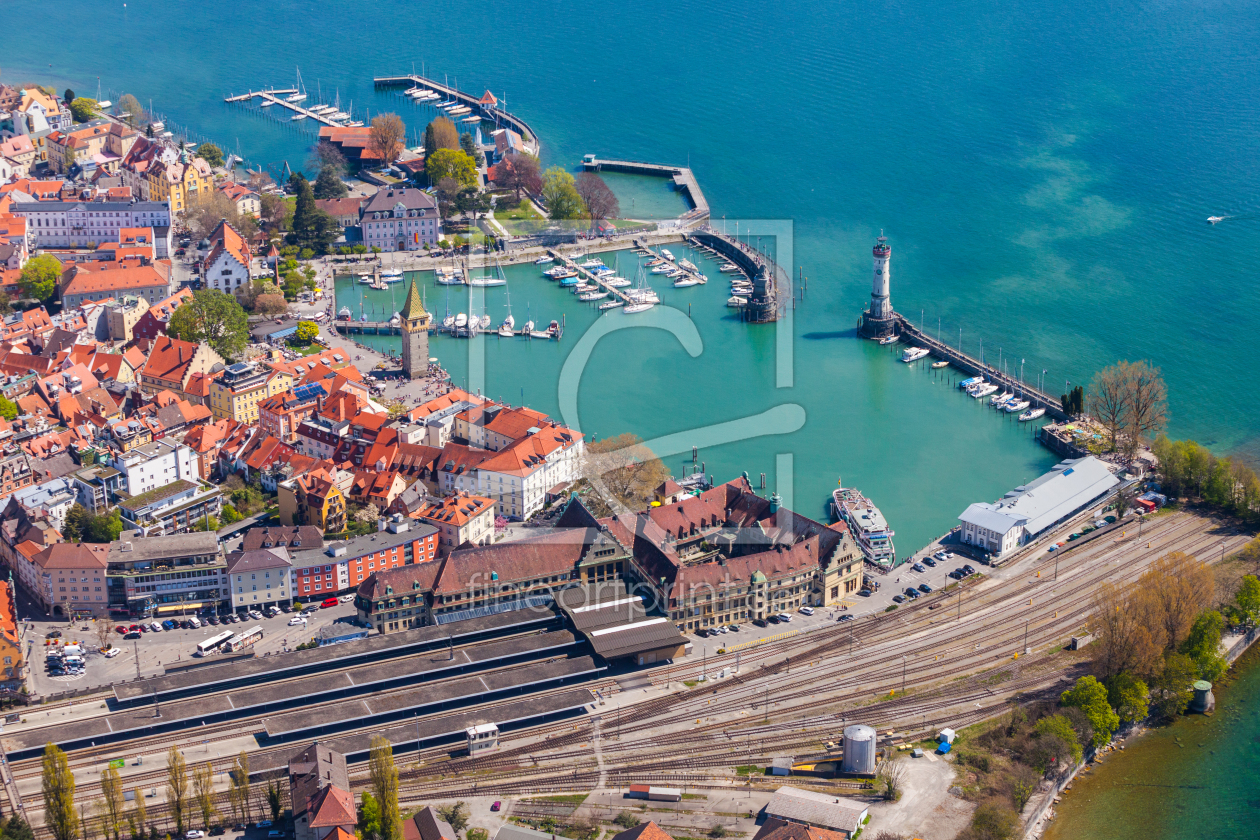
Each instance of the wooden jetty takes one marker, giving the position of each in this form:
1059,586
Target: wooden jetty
276,97
491,112
682,176
586,275
1037,399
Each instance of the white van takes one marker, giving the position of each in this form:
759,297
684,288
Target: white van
195,622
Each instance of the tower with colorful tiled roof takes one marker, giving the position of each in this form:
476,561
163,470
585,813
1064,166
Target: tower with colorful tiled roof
415,335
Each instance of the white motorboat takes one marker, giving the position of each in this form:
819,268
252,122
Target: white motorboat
266,103
588,296
473,119
393,272
1031,414
728,268
667,255
337,115
449,279
616,282
612,304
544,259
485,282
602,271
655,261
460,111
297,117
1211,221
889,339
484,323
913,354
984,390
664,268
365,279
461,321
632,308
685,281
736,302
941,364
1018,405
448,321
592,263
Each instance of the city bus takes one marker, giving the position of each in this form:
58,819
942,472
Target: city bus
212,644
244,639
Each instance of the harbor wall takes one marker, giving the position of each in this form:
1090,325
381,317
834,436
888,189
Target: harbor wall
772,287
683,178
964,362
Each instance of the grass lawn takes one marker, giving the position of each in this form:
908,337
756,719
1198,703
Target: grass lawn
566,799
307,350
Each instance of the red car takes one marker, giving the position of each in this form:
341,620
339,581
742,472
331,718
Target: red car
496,806
121,629
329,602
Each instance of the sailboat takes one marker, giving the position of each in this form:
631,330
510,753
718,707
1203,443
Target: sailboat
529,322
301,89
102,104
507,328
641,297
497,279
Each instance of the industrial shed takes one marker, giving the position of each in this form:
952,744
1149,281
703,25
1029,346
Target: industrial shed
617,626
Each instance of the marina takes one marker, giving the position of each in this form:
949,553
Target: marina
458,103
327,115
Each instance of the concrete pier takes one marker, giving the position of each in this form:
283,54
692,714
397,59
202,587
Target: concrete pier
684,180
772,286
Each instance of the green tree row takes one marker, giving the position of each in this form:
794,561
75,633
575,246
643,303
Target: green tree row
1190,470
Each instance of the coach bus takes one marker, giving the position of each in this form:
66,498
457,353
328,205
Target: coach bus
212,644
244,639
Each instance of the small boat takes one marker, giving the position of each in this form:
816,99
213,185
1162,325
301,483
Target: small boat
295,97
592,263
663,269
570,279
528,328
393,272
355,124
984,390
544,259
365,279
161,126
460,111
1211,221
447,278
632,308
337,115
484,323
728,268
913,354
505,331
688,265
473,119
266,103
584,287
643,296
587,296
612,304
686,281
967,383
344,313
448,321
485,282
655,261
461,321
602,271
889,339
1018,405
940,364
736,302
1001,398
616,282
563,274
539,334
553,329
667,255
1031,414
297,117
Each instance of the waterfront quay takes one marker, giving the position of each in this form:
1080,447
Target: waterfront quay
968,364
683,178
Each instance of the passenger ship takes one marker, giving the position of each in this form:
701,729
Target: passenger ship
867,524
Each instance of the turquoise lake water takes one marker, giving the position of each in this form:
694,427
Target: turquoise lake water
1043,172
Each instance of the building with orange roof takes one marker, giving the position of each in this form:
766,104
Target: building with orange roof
313,499
282,414
70,579
207,440
227,264
460,520
85,281
18,153
10,640
179,182
36,116
643,831
519,476
371,487
152,322
171,363
99,144
245,199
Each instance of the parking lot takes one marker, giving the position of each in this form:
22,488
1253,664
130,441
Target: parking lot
154,651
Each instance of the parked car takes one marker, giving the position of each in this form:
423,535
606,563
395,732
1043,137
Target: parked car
806,611
112,652
784,617
255,614
928,561
54,634
759,622
263,824
132,634
297,619
734,628
924,588
865,593
919,567
214,620
120,628
704,632
846,617
329,602
774,619
911,592
899,599
496,805
349,596
969,569
194,834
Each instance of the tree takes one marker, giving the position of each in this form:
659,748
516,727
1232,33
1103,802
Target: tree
1090,696
1073,401
455,815
68,97
1203,643
1247,598
469,147
1171,689
440,134
1124,642
8,408
472,201
274,212
177,787
129,109
210,153
213,317
103,630
274,801
1130,400
386,137
1170,595
329,184
39,277
272,304
325,154
307,331
560,194
627,468
600,201
68,159
57,783
384,777
369,817
521,173
451,163
102,528
203,793
140,815
239,779
994,820
312,227
203,214
18,829
1128,696
1060,727
83,109
113,803
1108,402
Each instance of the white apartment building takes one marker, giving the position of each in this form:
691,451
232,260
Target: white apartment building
77,224
155,465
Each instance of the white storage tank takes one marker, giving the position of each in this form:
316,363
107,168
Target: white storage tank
859,750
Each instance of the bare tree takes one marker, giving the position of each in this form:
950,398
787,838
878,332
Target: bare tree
600,200
324,154
205,213
1124,642
103,631
521,173
1109,401
627,468
1148,404
386,137
891,775
1172,593
129,109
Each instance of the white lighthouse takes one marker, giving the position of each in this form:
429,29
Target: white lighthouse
879,320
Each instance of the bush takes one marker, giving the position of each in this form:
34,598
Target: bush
626,820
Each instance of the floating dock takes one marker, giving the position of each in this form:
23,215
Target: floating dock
276,97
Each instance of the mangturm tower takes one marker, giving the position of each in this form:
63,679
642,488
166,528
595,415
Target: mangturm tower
415,335
879,320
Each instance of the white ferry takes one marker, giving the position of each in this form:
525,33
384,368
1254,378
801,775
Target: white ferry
867,524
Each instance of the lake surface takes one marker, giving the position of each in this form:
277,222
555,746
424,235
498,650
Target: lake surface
1043,172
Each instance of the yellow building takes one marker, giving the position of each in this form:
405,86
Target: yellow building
313,499
235,395
181,182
